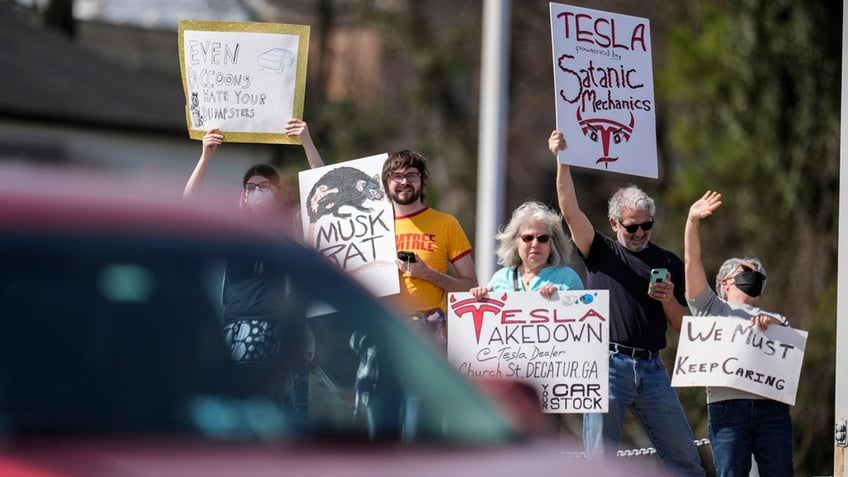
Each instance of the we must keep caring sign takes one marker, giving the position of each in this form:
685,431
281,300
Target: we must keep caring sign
559,345
729,352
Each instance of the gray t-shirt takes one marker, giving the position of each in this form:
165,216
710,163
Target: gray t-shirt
708,304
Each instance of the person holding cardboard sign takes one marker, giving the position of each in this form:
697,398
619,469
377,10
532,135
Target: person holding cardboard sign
640,312
262,185
534,251
739,423
247,289
435,242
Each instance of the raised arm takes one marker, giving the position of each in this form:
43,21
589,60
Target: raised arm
582,232
696,277
211,141
297,127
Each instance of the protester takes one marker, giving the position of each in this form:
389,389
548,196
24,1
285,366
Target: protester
434,241
534,251
640,313
256,333
740,423
428,243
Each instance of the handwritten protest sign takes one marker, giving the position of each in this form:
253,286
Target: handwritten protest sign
561,345
347,217
728,352
604,85
246,79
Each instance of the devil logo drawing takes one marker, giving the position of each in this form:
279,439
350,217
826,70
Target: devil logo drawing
606,131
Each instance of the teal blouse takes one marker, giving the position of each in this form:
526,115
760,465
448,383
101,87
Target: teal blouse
560,276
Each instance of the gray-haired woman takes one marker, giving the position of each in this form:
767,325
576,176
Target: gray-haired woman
534,251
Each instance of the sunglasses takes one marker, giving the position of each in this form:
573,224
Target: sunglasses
632,228
540,238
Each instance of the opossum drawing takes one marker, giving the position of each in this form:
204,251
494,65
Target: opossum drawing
344,186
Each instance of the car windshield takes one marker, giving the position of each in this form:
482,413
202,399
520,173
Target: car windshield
105,333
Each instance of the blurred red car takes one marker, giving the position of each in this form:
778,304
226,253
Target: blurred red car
117,357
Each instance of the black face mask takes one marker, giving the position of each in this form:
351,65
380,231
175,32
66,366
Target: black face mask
750,283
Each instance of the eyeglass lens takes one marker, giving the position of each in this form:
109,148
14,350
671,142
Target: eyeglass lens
250,187
541,238
409,176
632,228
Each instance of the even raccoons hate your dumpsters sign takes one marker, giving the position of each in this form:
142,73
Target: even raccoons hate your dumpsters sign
245,79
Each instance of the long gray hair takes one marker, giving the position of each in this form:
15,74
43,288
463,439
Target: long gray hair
729,266
532,211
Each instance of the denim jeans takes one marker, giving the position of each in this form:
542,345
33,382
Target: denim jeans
643,386
741,427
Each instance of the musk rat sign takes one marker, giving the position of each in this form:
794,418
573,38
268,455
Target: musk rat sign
348,218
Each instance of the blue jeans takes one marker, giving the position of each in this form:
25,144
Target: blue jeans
741,427
643,386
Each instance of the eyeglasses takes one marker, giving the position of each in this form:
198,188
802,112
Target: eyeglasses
527,238
263,186
632,228
409,176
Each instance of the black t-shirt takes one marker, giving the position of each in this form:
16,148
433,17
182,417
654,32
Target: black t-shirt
245,293
636,319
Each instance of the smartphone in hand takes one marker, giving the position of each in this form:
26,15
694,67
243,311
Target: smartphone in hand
658,275
408,257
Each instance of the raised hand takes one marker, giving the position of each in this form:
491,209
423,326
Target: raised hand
705,206
211,141
556,142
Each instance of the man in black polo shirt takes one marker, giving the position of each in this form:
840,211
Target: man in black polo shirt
640,312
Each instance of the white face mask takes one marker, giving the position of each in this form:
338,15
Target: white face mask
259,199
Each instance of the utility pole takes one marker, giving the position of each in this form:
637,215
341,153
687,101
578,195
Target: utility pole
840,437
491,155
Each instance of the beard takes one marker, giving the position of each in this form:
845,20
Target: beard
407,198
629,243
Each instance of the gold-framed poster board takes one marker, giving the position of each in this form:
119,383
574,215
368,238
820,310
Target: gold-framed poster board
245,79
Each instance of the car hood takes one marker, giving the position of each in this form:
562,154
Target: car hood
140,458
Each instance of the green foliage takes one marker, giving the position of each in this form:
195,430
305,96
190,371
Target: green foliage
753,89
813,414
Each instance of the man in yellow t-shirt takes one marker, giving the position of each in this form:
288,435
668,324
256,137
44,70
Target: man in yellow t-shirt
428,242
